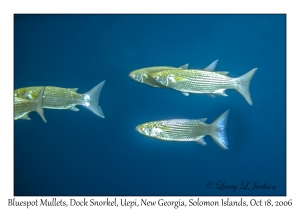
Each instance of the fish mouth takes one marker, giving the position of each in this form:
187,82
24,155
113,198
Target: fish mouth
131,75
138,128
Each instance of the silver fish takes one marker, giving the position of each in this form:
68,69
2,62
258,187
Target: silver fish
187,130
205,82
65,98
22,107
143,75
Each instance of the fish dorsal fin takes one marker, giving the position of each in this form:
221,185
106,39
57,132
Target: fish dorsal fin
212,66
222,72
185,66
185,94
202,119
73,89
200,140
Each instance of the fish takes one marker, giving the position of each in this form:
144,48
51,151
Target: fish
22,107
144,75
205,82
185,130
65,98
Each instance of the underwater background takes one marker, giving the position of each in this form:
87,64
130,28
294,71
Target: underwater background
79,153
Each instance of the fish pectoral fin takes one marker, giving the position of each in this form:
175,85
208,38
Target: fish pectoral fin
39,104
25,117
74,108
211,95
220,92
185,94
200,140
177,79
30,96
185,66
222,72
212,66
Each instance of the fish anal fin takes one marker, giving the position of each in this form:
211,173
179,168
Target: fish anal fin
200,140
185,94
25,117
220,92
74,108
211,95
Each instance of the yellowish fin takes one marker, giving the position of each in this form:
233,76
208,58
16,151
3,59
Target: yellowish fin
177,79
243,85
39,104
92,99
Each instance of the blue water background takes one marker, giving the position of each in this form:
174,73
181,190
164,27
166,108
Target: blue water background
79,153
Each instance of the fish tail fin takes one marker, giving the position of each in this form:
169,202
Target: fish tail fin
39,104
243,85
91,99
218,130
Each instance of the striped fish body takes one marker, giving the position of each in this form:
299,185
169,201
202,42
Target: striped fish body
205,82
54,97
64,98
175,130
184,130
195,81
